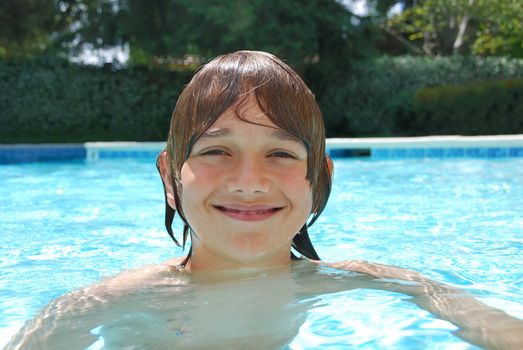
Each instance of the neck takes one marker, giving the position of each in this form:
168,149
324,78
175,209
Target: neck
203,259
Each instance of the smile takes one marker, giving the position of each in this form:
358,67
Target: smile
246,213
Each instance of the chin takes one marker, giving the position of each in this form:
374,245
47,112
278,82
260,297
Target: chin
255,245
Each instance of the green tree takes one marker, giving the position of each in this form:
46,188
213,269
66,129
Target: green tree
500,29
482,27
171,30
31,27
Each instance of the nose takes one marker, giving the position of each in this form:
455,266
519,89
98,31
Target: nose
249,176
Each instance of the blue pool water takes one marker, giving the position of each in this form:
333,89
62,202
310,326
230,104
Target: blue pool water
459,221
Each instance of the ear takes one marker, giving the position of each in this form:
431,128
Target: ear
330,165
165,173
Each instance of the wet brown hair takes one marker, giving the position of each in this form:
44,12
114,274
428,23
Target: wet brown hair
227,82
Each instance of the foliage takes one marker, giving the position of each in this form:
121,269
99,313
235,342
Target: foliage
55,101
501,30
377,97
492,107
481,27
175,32
186,32
30,28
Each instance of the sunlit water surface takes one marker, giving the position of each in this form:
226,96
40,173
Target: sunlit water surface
67,225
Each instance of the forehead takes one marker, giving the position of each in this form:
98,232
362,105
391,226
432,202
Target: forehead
235,126
247,118
230,124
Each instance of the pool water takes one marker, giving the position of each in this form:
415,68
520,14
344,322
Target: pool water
459,221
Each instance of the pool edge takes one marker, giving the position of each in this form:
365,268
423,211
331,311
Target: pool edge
445,146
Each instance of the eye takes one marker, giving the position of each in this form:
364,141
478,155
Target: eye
214,152
283,154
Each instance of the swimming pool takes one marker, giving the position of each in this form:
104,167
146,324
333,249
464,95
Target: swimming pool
66,225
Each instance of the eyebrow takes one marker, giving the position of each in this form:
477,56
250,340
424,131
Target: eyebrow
216,133
277,134
284,136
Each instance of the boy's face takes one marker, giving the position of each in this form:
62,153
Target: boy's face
245,192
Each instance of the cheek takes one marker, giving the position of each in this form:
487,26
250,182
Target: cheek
306,199
198,181
294,178
202,174
298,189
190,191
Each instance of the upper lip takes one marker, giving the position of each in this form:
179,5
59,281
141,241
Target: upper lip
248,207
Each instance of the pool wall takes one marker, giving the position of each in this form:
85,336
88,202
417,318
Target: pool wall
499,146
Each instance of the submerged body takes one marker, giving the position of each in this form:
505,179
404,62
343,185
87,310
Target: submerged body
159,307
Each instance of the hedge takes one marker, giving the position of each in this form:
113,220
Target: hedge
377,96
492,107
56,101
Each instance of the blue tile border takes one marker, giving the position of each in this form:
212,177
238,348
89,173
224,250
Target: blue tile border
415,153
515,152
10,154
455,153
469,152
379,153
476,152
111,154
435,153
348,153
497,152
26,154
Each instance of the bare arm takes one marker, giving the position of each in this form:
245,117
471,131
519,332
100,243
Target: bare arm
479,323
67,322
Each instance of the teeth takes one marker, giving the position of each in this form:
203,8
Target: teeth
248,212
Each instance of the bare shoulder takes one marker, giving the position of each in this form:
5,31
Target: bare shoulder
137,278
378,270
119,285
89,304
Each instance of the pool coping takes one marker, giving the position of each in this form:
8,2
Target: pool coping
488,146
447,141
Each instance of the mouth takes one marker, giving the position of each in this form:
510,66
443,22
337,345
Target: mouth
248,213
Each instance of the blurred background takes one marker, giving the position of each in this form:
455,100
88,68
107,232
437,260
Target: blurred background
111,70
